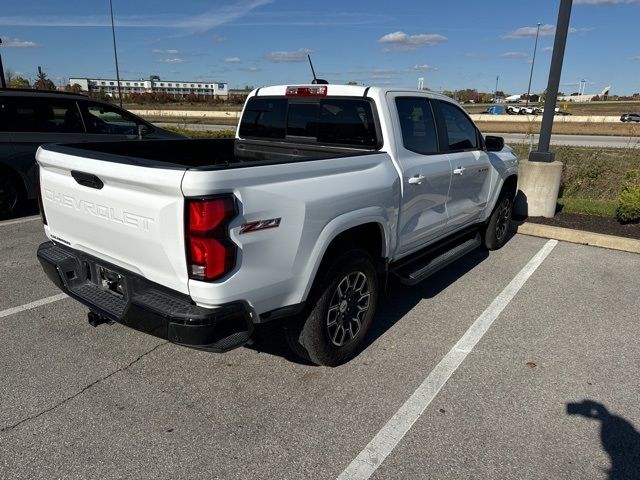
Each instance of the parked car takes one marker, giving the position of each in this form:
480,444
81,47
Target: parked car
30,118
630,117
326,191
494,110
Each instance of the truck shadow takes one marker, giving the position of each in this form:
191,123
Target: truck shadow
394,304
618,436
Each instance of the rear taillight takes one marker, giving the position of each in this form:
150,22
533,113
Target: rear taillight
40,204
210,252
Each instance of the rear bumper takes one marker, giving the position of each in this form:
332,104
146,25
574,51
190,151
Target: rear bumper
146,306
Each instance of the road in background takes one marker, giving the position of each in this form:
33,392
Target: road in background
574,140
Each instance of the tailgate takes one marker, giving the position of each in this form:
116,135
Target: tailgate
124,213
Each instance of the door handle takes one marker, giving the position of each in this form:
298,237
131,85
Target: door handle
415,180
459,170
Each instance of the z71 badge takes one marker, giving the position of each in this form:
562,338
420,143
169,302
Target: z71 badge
260,225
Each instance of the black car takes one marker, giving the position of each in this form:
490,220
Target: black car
630,117
30,118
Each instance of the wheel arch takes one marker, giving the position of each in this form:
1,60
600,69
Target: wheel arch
371,233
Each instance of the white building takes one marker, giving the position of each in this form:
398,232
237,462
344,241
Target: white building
154,84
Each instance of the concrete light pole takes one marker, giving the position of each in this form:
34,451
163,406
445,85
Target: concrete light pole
540,175
533,62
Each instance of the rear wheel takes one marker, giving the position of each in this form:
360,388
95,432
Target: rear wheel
497,229
11,193
338,321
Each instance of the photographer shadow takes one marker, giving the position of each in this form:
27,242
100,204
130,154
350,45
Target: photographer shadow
619,438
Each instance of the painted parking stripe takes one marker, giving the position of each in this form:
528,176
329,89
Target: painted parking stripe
22,220
29,306
369,459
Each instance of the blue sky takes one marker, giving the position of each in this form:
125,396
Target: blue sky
453,44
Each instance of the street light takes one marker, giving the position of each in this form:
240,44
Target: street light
533,62
115,52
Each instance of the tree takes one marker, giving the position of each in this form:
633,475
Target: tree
43,83
19,82
9,76
75,88
352,82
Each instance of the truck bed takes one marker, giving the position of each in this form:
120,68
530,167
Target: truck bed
203,154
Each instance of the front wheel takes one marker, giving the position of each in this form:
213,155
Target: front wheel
346,297
497,229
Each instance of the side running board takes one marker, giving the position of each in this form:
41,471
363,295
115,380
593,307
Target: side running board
425,264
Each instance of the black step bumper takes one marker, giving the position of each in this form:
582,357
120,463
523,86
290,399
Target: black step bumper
146,306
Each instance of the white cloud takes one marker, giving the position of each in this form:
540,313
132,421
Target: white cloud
249,69
17,43
299,55
169,51
423,68
218,39
202,22
172,60
514,55
400,41
546,30
232,60
547,49
637,57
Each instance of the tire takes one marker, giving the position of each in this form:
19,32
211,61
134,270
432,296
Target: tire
11,193
497,228
344,302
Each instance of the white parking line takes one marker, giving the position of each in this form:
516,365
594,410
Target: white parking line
29,306
22,220
369,459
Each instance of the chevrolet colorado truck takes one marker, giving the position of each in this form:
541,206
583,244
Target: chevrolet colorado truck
325,191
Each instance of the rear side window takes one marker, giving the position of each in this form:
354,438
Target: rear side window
264,118
103,119
347,122
462,132
417,125
45,115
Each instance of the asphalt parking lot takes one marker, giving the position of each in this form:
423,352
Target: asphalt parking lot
109,402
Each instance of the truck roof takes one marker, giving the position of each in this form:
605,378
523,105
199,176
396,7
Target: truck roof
345,90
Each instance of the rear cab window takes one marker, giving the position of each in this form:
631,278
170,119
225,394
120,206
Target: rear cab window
336,121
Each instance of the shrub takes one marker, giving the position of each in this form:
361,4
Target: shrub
628,210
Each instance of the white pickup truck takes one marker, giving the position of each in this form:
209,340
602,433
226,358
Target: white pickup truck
325,191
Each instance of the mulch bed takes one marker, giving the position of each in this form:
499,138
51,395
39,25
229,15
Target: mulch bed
590,223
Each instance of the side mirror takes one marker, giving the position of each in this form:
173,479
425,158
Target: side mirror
494,144
142,131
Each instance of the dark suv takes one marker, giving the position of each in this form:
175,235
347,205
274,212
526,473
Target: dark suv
30,118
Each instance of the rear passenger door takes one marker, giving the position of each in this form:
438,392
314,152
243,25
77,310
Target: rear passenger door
426,172
471,173
36,121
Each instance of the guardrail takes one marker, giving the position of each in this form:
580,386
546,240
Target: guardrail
538,118
186,113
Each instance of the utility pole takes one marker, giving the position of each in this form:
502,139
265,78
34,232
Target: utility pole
115,52
555,71
495,92
3,82
533,62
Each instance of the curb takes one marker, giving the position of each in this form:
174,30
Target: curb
578,236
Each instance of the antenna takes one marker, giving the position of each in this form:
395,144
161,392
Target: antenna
316,81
